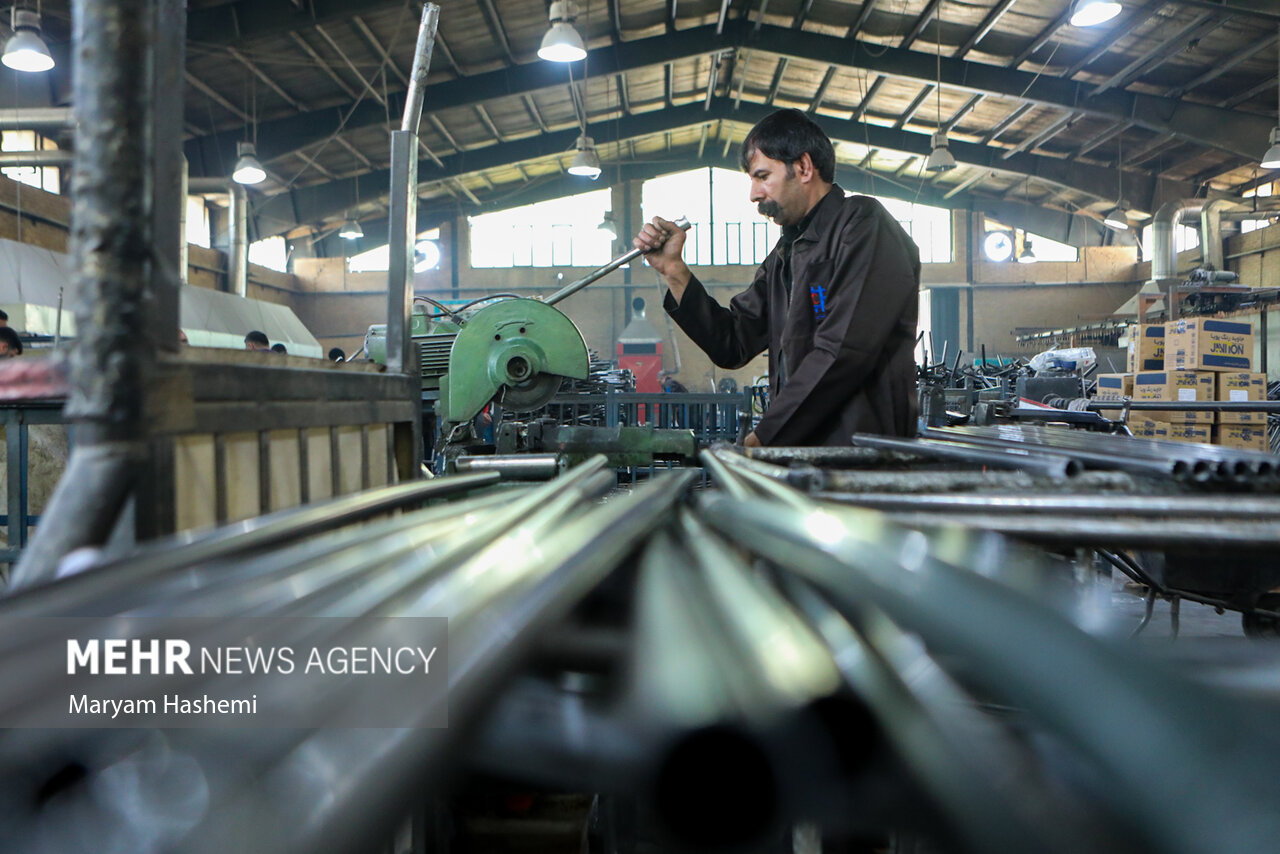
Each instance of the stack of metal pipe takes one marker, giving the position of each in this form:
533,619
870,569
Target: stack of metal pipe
1181,460
779,659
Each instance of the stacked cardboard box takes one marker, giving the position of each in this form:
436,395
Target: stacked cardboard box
1114,386
1146,347
1244,437
1190,433
1241,386
1206,344
1147,428
1182,386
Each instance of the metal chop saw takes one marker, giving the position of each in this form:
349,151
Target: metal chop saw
511,351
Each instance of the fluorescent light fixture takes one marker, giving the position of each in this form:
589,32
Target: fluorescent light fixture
1089,13
608,225
562,42
1026,256
1117,218
351,229
586,162
248,169
940,159
1271,160
25,50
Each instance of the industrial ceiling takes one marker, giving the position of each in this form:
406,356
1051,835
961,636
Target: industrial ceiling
1050,124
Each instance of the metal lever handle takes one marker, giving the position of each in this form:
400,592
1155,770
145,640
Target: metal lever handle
573,287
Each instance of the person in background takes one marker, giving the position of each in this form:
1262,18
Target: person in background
182,336
279,348
337,354
4,318
256,340
670,384
834,303
10,343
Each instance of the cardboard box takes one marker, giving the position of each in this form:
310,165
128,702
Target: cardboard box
1183,386
1242,386
1146,347
1206,344
1114,386
1147,428
1242,437
1190,433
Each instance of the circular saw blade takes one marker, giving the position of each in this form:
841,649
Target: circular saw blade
534,393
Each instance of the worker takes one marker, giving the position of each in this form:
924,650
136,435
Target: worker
834,303
4,318
337,354
279,348
256,340
10,343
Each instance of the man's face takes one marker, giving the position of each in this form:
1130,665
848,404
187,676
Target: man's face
5,352
776,190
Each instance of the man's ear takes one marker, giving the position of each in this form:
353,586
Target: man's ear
804,168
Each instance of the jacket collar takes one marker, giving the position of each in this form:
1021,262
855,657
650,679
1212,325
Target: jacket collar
822,214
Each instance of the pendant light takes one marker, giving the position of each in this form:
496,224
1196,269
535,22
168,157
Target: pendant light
1090,13
562,42
940,159
248,168
25,50
1118,217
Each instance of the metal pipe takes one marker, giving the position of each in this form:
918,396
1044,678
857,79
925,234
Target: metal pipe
599,273
241,538
1012,458
1211,231
1088,458
1164,259
421,66
58,158
402,234
37,118
238,240
1137,506
516,466
496,611
111,243
862,559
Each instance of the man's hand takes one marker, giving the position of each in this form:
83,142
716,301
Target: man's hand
751,441
662,243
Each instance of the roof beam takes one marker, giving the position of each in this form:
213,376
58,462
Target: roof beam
247,20
910,111
368,87
865,103
963,111
1007,122
1161,52
494,21
315,202
822,89
977,176
861,20
262,75
213,95
1108,134
1038,139
1042,39
322,64
1224,129
930,12
987,25
1221,67
1124,26
777,80
378,48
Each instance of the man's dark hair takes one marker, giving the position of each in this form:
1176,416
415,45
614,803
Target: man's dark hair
8,336
4,315
279,348
337,354
256,337
786,136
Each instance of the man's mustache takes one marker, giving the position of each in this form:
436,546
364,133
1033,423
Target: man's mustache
769,208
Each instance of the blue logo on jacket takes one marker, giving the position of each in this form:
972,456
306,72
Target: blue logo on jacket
818,295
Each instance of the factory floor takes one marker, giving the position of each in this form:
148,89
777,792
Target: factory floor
1194,620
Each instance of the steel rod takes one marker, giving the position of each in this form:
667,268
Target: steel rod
1012,458
599,273
427,27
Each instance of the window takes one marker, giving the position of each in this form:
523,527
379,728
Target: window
270,253
198,230
928,226
558,233
727,228
377,260
1184,237
1051,250
44,177
1249,225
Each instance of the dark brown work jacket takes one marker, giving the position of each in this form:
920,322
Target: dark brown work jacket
841,343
